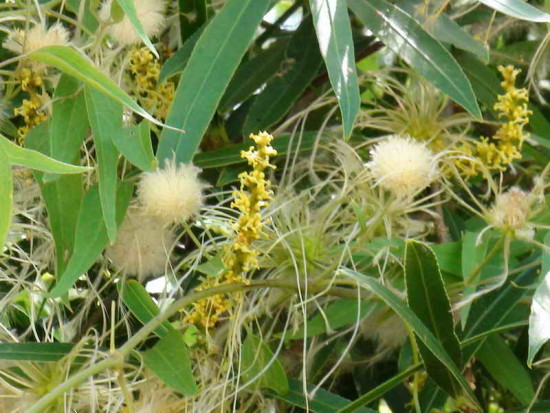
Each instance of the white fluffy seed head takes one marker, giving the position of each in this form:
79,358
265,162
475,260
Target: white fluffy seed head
173,193
402,165
142,246
38,36
149,12
511,210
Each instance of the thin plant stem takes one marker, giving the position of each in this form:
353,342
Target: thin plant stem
475,272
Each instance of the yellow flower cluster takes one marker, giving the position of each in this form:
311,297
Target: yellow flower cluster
154,97
240,257
30,109
505,145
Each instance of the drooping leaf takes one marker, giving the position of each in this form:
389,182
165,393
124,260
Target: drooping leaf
129,8
518,9
501,362
6,194
282,91
169,360
105,116
91,235
140,303
73,63
539,320
428,299
332,25
35,160
134,143
423,333
255,357
401,33
206,76
38,352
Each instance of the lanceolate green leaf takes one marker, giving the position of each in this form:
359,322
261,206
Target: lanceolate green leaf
39,352
423,333
255,357
6,195
539,320
519,9
91,236
215,57
35,160
332,25
177,62
140,303
282,91
134,143
401,33
130,10
105,116
73,63
428,299
169,360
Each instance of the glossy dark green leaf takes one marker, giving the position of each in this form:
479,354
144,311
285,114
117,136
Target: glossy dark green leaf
258,364
518,9
252,74
62,198
140,303
215,58
134,143
278,97
500,361
6,194
75,64
169,360
105,116
91,235
332,25
129,8
428,299
539,320
177,62
423,333
192,14
401,33
38,352
323,402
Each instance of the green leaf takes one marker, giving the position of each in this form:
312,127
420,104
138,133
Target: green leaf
428,299
177,62
105,116
215,57
545,265
140,303
252,74
169,360
134,143
279,95
539,320
6,195
62,198
424,334
401,33
129,8
323,401
501,362
35,160
39,352
192,16
472,256
73,63
231,155
91,236
448,257
518,9
332,25
257,360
